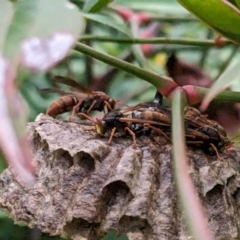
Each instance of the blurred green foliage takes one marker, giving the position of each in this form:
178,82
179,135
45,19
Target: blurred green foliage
111,235
220,15
10,231
122,86
211,59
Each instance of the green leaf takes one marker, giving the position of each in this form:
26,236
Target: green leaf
22,19
57,16
93,6
163,7
5,20
41,18
13,115
224,81
221,15
238,3
109,21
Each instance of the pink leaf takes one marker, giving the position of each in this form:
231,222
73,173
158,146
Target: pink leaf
16,150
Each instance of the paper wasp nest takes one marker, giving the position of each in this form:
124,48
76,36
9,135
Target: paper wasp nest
85,187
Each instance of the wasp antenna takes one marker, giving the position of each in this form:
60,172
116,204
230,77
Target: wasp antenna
86,116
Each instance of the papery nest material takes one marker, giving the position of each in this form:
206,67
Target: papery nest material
85,187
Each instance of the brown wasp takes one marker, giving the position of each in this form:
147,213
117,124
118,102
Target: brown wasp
82,101
137,120
204,132
144,118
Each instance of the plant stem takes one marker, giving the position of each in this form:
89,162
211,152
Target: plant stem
205,51
89,60
224,96
137,50
172,19
186,192
164,84
155,40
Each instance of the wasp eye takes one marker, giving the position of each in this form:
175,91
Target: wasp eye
221,144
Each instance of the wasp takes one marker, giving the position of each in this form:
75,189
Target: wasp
82,101
201,131
144,118
137,120
204,132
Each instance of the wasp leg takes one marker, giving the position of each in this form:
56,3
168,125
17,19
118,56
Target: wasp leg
194,142
91,107
157,130
196,134
215,149
74,110
108,106
133,136
111,136
86,116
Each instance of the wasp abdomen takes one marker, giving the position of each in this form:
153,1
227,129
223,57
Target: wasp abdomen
152,115
61,105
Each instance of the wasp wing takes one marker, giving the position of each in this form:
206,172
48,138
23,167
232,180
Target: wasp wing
72,83
141,107
63,92
143,121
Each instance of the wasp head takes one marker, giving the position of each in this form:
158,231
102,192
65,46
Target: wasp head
109,121
100,126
